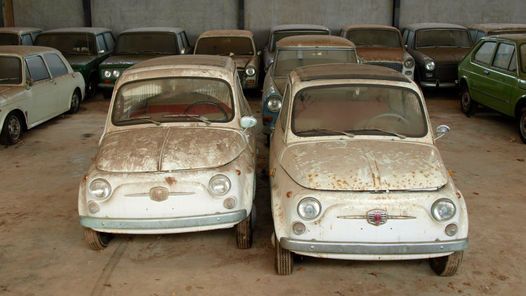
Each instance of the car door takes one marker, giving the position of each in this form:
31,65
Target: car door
59,74
42,90
479,82
503,78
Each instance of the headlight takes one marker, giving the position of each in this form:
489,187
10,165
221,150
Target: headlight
100,188
409,63
443,209
250,71
107,74
274,104
309,208
430,65
219,185
116,73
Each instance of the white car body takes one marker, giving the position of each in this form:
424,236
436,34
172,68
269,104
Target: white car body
352,177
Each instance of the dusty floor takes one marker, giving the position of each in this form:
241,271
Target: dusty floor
42,251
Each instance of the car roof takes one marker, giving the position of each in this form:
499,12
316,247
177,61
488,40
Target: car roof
211,61
348,71
93,30
18,30
497,27
368,26
294,27
434,26
154,29
512,37
224,33
314,41
23,50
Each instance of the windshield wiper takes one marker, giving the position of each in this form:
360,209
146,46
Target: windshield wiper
376,130
192,116
145,118
325,131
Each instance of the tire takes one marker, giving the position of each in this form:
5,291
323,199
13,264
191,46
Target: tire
467,105
244,231
107,93
97,240
12,129
447,265
75,103
522,124
91,87
284,259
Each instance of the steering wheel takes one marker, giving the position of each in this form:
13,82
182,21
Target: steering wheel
221,109
392,115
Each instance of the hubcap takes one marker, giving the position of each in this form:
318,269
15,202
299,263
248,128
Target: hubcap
75,102
14,128
466,100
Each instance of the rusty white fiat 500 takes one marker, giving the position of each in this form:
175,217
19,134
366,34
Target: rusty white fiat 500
355,173
177,153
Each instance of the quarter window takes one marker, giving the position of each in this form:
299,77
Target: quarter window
485,52
56,65
110,43
523,57
37,68
101,45
503,56
26,39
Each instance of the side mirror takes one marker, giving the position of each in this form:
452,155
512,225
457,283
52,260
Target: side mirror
248,122
441,131
101,51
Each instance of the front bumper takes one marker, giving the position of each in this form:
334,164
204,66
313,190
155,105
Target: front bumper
438,84
164,225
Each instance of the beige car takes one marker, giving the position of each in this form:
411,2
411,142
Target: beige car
237,44
18,35
36,84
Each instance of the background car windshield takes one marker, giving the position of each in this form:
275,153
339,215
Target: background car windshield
375,38
8,39
442,38
523,57
358,110
173,99
288,60
225,46
282,34
69,44
147,43
10,70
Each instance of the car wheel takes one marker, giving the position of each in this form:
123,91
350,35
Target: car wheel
75,103
467,105
97,240
12,130
91,88
244,231
522,124
284,260
447,265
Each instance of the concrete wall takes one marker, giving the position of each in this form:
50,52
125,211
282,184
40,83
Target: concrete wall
261,15
195,16
48,14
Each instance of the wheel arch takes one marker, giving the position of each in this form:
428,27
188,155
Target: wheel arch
20,115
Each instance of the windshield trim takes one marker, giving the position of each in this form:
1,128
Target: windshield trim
420,102
442,29
139,122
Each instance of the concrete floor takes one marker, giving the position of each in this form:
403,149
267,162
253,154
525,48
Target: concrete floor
42,251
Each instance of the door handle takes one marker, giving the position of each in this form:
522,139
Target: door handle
486,72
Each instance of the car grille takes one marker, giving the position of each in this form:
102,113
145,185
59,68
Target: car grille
446,72
394,66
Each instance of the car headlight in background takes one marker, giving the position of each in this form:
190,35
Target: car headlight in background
274,104
219,185
443,209
409,63
116,73
430,65
107,74
250,71
309,208
100,189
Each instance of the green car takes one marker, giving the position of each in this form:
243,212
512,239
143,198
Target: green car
137,45
493,74
84,48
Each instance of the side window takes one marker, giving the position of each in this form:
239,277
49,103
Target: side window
37,69
410,39
101,45
185,40
244,107
110,42
485,52
284,109
404,36
26,39
480,34
513,63
503,56
56,65
180,45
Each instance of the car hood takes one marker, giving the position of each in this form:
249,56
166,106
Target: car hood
381,54
280,83
80,60
168,149
365,166
445,55
126,60
7,93
242,62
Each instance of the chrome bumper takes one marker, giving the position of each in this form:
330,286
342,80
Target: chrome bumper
373,248
438,84
164,223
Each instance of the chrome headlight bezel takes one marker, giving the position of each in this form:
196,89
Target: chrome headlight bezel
250,71
430,65
274,103
100,189
409,63
303,205
116,73
216,180
107,74
443,209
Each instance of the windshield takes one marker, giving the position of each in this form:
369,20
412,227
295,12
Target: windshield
358,110
278,35
289,59
442,38
10,70
226,46
523,57
375,38
8,39
146,43
69,44
173,100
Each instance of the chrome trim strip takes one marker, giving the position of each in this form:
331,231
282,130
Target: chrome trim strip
163,223
364,217
438,84
171,194
373,248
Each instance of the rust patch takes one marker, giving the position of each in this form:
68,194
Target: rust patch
289,194
170,180
238,172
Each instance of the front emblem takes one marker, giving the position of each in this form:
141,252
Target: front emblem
159,193
377,217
